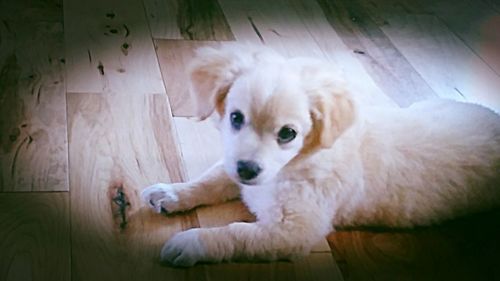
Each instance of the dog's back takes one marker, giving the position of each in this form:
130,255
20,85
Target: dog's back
433,161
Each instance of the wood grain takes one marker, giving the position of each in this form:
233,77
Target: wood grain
173,57
318,266
464,249
33,144
299,28
449,67
470,43
34,236
109,48
386,65
474,22
187,19
117,147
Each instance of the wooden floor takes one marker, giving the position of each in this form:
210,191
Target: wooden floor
93,109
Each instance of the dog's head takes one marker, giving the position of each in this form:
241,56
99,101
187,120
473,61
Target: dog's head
271,109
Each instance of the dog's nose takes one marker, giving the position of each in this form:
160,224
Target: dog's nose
248,170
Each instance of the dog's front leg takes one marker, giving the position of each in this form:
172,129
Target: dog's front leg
245,241
214,186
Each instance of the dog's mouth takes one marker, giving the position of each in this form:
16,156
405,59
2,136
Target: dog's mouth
248,182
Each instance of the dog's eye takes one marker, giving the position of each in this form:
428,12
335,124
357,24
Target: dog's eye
286,135
237,119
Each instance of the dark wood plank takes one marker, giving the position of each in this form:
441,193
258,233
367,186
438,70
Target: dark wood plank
464,249
494,4
451,45
33,144
118,147
450,67
34,236
187,19
475,22
31,10
317,266
383,61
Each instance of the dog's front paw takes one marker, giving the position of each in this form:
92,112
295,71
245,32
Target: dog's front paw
161,197
183,249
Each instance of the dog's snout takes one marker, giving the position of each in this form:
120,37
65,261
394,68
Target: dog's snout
248,170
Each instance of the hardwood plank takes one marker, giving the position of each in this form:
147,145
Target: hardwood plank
200,144
190,20
162,19
109,48
385,256
449,67
299,28
317,266
465,249
383,61
117,147
34,236
31,10
33,154
173,57
474,22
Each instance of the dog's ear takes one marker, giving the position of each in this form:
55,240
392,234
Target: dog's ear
211,73
332,114
332,108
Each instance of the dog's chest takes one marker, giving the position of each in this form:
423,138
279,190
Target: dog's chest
262,202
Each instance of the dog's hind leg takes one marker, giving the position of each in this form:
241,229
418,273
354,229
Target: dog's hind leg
213,187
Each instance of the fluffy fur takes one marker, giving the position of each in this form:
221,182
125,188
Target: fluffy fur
350,164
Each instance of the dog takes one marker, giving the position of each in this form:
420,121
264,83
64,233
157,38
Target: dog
305,154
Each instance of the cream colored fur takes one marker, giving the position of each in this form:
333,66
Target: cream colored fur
351,164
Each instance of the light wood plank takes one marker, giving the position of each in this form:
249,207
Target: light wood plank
33,153
117,147
109,48
299,28
449,67
34,236
200,144
173,57
383,61
187,19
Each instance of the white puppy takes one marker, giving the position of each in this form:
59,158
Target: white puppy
304,155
